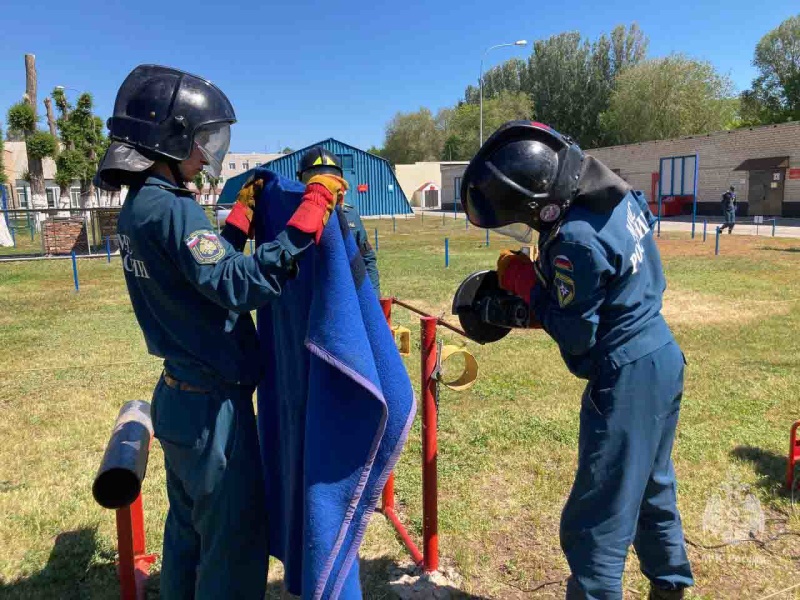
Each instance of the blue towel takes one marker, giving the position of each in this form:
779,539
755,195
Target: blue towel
334,408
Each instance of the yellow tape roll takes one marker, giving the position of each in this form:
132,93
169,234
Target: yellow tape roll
470,373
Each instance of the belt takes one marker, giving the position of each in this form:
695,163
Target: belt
182,385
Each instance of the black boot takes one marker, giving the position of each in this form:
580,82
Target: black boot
657,593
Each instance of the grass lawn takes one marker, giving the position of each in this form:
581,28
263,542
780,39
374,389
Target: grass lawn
507,447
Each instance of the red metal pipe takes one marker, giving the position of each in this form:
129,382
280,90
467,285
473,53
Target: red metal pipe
387,498
439,321
430,516
416,555
134,562
794,455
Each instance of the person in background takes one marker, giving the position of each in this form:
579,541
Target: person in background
728,210
318,161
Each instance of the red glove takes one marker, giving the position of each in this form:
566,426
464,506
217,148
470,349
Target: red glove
323,194
515,274
241,215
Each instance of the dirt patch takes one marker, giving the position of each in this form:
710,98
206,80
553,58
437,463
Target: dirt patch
684,307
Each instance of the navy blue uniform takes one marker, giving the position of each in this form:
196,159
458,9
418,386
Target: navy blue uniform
601,302
362,241
192,292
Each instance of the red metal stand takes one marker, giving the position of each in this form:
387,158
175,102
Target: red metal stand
134,562
430,508
428,559
794,455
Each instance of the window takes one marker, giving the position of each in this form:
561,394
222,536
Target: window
52,197
246,165
232,166
75,197
457,184
22,194
347,161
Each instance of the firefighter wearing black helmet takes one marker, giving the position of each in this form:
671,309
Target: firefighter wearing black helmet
192,292
319,161
596,288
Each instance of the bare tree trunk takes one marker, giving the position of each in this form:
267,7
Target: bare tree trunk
35,168
30,80
51,119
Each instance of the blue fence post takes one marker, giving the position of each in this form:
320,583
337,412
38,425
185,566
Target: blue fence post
394,225
487,238
75,271
423,217
30,224
376,239
442,217
466,224
446,252
716,249
705,228
108,249
773,227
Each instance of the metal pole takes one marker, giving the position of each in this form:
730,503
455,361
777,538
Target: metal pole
705,228
660,175
442,217
481,86
430,509
716,249
487,238
394,225
694,199
252,247
773,227
387,498
376,239
446,252
75,272
108,249
466,224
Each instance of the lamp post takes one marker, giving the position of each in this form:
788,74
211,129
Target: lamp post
517,43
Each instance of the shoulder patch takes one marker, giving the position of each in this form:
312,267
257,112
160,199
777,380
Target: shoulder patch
205,246
565,289
563,263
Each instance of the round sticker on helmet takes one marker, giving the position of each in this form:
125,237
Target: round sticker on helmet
550,213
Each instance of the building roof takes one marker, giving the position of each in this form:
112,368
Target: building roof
727,132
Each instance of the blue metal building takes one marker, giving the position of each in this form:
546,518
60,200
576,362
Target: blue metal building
374,189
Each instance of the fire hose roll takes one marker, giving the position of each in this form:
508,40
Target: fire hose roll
119,479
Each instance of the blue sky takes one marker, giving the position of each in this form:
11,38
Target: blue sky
303,71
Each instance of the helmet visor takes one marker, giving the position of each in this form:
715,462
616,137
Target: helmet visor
214,141
518,231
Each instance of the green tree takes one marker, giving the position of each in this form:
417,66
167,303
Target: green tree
39,145
84,142
461,126
412,137
667,98
287,150
569,79
774,95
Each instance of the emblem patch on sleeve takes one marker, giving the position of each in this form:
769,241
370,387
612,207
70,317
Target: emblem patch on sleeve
563,263
565,289
205,246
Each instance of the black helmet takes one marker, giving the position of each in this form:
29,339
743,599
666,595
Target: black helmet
526,173
162,113
318,161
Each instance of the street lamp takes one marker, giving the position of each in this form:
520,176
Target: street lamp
517,43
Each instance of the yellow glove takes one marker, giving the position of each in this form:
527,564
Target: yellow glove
241,215
336,185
